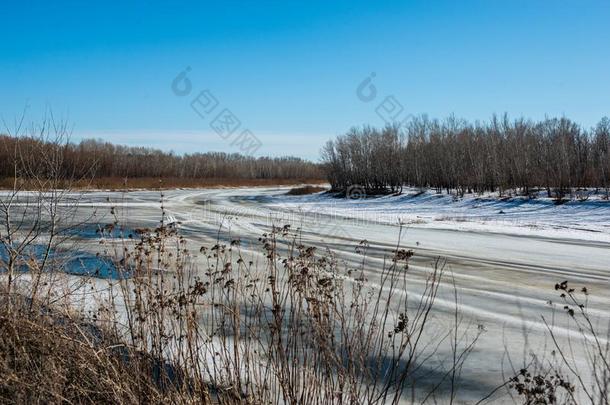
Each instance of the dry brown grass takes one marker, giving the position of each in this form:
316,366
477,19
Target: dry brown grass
304,190
48,355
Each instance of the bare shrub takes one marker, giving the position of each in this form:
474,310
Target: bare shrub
296,328
304,190
37,212
541,388
563,380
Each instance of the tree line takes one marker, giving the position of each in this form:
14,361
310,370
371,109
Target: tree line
22,156
456,155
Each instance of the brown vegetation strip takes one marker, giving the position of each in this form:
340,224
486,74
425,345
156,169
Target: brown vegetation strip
309,189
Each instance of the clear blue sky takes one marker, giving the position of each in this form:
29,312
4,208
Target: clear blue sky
289,70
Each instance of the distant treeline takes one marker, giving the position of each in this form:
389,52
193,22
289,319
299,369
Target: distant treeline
25,157
502,154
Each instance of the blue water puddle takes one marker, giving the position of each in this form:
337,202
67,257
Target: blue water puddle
76,262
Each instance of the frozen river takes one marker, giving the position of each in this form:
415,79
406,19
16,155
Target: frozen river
505,266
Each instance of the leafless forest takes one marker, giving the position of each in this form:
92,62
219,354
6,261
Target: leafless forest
453,154
98,159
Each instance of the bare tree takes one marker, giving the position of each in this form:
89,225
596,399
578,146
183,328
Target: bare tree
454,155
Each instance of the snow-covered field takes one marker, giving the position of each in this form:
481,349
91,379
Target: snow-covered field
504,256
579,219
